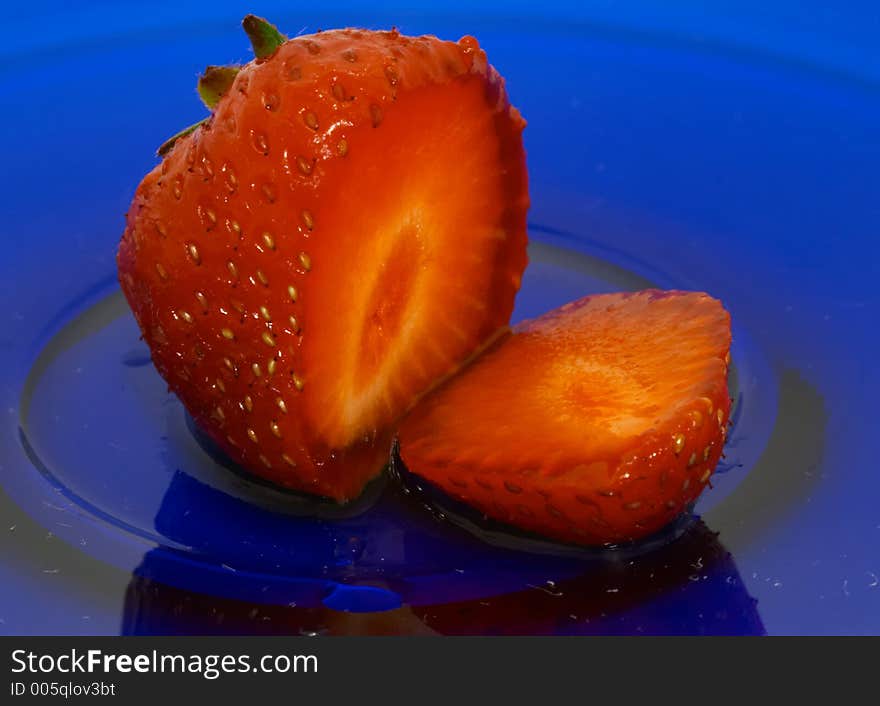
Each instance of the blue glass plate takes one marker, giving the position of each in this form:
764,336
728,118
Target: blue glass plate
652,163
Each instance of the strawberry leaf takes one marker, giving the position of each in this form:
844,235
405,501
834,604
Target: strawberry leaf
166,146
215,82
265,37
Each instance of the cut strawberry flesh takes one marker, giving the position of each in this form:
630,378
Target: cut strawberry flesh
585,423
411,288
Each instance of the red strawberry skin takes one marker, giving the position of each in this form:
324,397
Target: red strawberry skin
597,423
288,262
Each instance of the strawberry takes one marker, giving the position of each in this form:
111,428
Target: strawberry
596,423
345,229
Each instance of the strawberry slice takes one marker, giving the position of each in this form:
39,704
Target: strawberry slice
596,423
346,229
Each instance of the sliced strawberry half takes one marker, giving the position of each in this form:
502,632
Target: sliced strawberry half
346,229
596,423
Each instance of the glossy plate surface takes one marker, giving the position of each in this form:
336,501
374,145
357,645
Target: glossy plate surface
653,163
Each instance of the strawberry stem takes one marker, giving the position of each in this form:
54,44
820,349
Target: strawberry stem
265,37
215,82
166,146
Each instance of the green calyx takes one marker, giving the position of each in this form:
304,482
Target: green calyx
265,37
166,146
212,86
217,80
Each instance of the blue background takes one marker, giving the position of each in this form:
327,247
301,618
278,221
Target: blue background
730,147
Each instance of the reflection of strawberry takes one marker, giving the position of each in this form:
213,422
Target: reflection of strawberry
596,423
154,608
688,587
345,229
